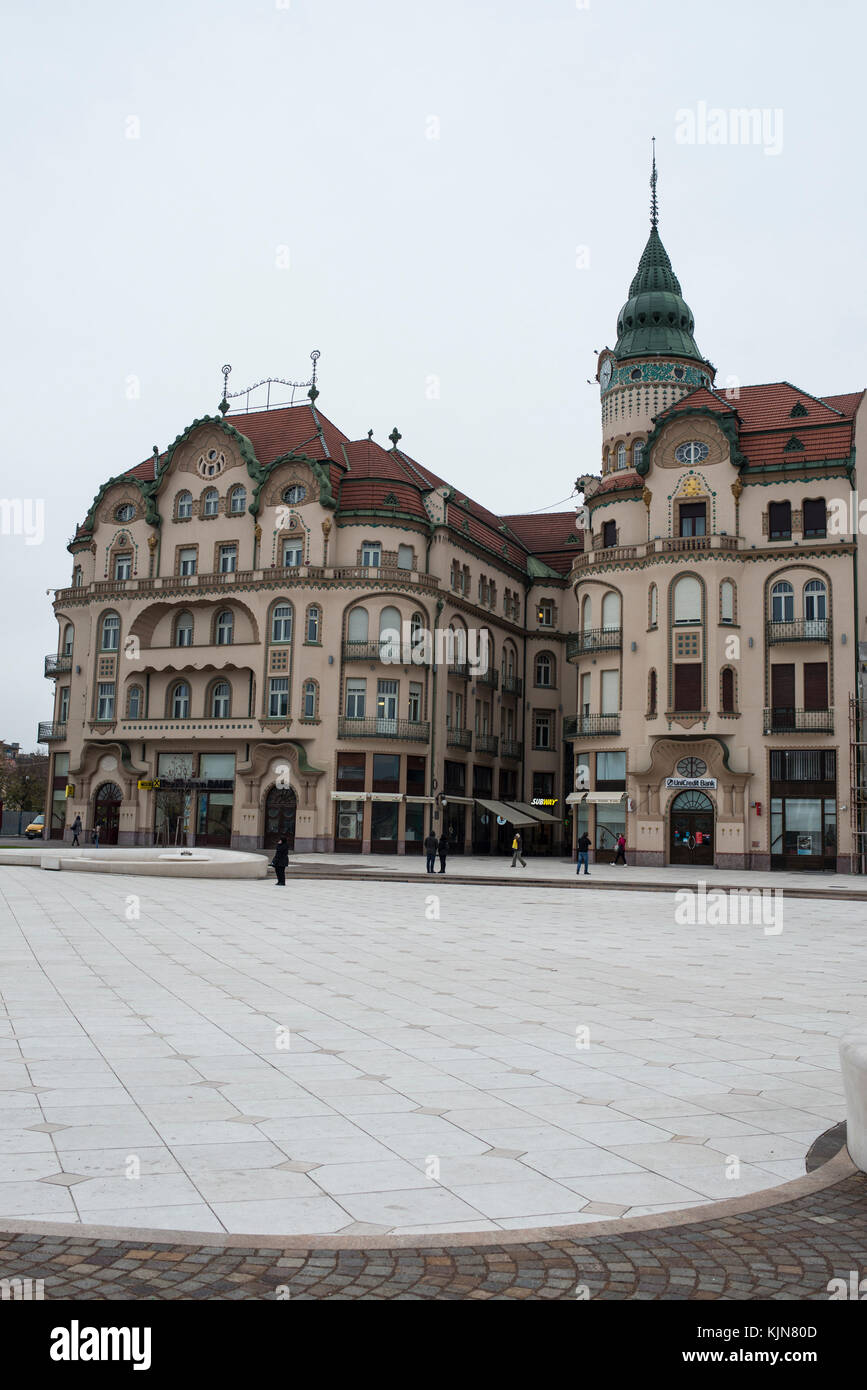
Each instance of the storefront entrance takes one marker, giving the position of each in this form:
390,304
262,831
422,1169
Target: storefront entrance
106,812
691,826
214,821
280,808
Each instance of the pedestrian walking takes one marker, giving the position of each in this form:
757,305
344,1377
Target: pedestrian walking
430,849
620,856
442,851
584,843
280,860
94,837
518,850
76,831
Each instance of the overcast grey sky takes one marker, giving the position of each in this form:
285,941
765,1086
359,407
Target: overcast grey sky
461,192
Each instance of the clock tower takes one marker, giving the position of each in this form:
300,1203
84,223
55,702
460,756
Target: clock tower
655,360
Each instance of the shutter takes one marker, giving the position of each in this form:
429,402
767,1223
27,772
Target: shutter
815,685
687,686
815,521
728,691
783,690
780,519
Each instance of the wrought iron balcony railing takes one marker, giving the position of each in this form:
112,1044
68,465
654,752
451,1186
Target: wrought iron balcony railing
491,677
512,748
487,743
407,730
459,738
784,720
58,665
587,725
512,685
50,731
595,639
800,630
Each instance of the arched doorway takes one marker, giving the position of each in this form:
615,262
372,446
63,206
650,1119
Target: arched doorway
106,812
280,807
691,823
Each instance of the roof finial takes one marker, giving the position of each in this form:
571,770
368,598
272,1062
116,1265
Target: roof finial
314,390
395,437
654,206
224,403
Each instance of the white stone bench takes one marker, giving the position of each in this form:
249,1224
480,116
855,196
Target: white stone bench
853,1061
49,861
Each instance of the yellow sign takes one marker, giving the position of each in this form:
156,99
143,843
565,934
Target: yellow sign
149,786
70,791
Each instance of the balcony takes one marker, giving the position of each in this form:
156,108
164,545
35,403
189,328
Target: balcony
491,678
799,630
327,574
512,749
58,665
570,726
661,545
586,725
513,685
51,732
459,738
460,669
487,743
406,730
595,639
798,721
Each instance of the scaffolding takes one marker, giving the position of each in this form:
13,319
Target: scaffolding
858,773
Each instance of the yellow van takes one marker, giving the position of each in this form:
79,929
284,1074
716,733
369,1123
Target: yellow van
35,828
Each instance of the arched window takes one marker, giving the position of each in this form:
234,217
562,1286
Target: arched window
134,702
294,494
544,669
389,635
125,512
815,601
621,456
511,662
727,601
651,693
110,637
586,614
225,628
314,623
359,623
611,612
237,500
637,453
687,599
221,698
727,690
181,701
308,700
281,623
184,630
653,606
68,639
184,506
416,624
782,602
211,502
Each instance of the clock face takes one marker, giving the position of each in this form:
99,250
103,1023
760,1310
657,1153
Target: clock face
605,374
694,452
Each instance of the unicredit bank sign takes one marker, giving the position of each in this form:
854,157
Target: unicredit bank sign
699,784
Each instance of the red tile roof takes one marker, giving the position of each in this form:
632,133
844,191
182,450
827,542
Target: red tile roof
847,404
620,482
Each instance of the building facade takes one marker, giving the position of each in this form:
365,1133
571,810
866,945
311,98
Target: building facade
272,629
718,595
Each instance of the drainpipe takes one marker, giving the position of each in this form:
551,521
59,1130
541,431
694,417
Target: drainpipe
433,711
525,688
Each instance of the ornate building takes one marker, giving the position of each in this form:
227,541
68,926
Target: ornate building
273,629
717,601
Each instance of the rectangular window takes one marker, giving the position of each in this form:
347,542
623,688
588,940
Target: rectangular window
371,555
405,557
415,774
545,613
693,518
356,694
350,771
611,771
293,554
780,521
414,702
228,559
459,711
278,697
815,519
455,778
187,562
783,693
477,723
64,704
543,785
815,685
448,709
542,729
105,700
386,772
687,687
609,534
610,703
217,767
386,701
122,566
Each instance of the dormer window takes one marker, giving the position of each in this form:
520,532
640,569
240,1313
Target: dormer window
211,463
125,512
294,494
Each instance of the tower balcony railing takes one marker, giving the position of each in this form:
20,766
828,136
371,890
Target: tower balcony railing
784,720
406,730
58,665
660,545
590,725
595,639
799,630
51,731
459,738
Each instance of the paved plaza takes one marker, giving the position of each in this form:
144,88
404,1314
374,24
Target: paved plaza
375,1059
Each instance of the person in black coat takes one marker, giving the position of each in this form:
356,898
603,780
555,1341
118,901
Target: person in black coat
430,849
442,850
280,860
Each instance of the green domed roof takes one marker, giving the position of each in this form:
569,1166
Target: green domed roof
655,320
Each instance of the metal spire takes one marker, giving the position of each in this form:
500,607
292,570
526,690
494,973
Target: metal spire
654,206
